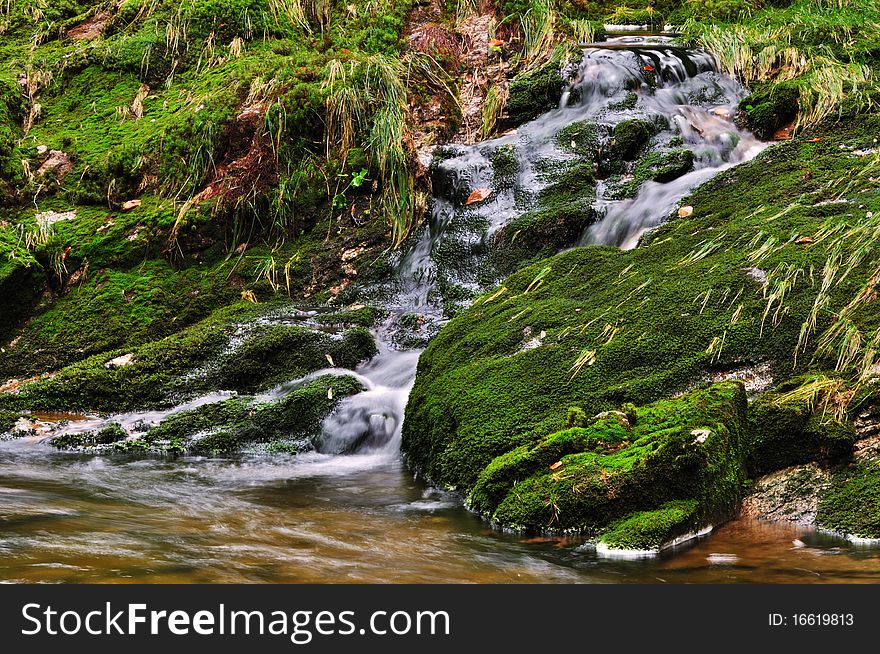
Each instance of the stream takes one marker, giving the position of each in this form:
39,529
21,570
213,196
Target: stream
350,511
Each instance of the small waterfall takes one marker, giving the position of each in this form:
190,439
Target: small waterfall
624,78
370,422
678,91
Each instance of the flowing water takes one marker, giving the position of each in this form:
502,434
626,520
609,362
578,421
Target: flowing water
323,518
350,511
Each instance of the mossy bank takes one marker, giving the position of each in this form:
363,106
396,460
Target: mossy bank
752,278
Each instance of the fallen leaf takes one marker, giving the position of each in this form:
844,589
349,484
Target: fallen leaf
804,240
249,296
685,211
556,466
330,393
649,68
330,359
496,43
814,140
478,195
131,204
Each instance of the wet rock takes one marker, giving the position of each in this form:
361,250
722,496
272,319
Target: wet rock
791,494
534,92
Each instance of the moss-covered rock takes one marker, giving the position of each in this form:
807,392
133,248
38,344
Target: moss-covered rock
651,530
111,434
585,479
583,138
231,425
709,293
665,167
770,107
851,504
629,138
8,420
504,167
564,210
218,353
271,354
786,429
534,92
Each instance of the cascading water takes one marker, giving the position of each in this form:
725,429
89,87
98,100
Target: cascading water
623,79
646,78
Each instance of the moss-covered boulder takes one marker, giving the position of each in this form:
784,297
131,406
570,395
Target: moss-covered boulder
271,354
786,428
288,424
112,433
217,353
534,92
629,138
688,450
664,167
770,107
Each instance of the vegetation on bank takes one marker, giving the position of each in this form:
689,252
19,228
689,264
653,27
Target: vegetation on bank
772,268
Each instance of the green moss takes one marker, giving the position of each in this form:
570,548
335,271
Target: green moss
196,360
581,138
666,167
504,167
629,138
564,210
276,353
644,324
8,420
110,307
651,530
112,434
21,280
785,432
851,504
231,425
690,449
534,92
770,107
364,316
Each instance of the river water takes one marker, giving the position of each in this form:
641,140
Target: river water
350,511
319,518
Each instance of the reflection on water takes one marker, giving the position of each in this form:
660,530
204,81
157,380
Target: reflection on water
319,518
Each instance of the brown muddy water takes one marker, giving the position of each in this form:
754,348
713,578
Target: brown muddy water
318,518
